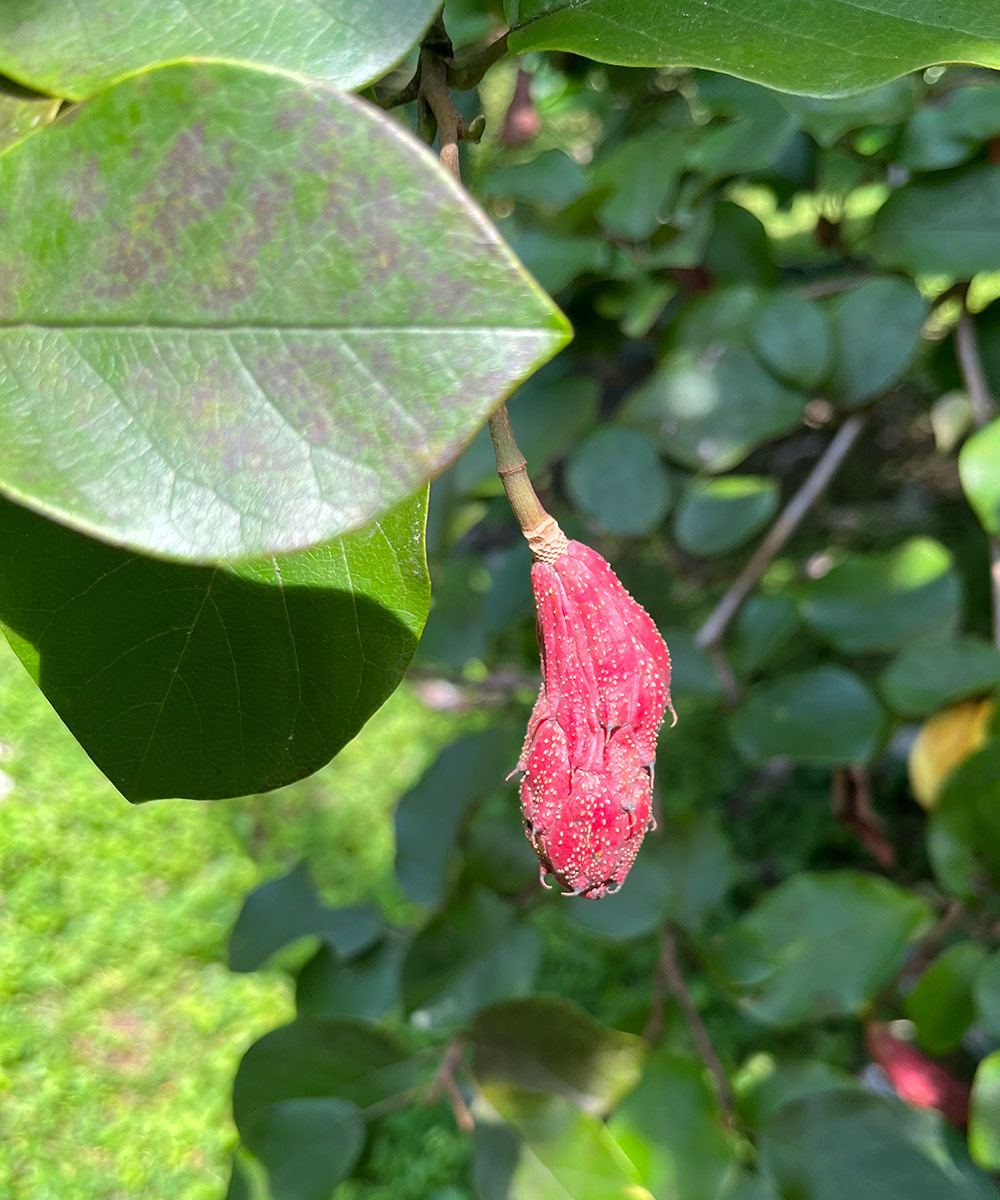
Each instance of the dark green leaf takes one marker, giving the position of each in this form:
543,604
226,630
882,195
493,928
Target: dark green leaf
793,339
876,332
260,360
819,945
430,815
851,1143
368,986
76,50
978,467
551,181
822,50
828,120
738,249
930,676
984,1114
710,409
616,477
469,955
670,1127
750,129
691,670
987,993
285,909
719,515
940,1005
641,176
883,602
964,834
550,1044
308,1146
951,129
546,1147
787,1081
763,627
212,681
825,716
324,1057
556,259
948,224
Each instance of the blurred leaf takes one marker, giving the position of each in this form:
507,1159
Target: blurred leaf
287,908
555,259
790,1081
829,120
793,338
951,129
78,50
927,677
738,249
368,986
206,682
942,742
710,409
549,414
641,176
550,1044
820,54
497,854
722,316
951,420
883,602
847,1143
978,467
963,837
987,993
308,1146
764,624
945,224
469,955
548,1148
550,181
23,112
429,816
750,129
616,477
984,1114
940,1004
670,1128
825,716
876,333
819,945
691,670
716,516
325,1057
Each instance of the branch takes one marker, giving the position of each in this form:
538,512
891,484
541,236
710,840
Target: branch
970,365
444,1083
668,971
464,76
829,463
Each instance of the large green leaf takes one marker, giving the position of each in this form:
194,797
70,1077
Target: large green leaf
941,1004
873,602
316,1057
964,834
616,477
825,716
550,1044
670,1127
850,1143
268,316
984,1113
719,515
207,682
819,945
930,675
948,224
814,47
74,50
307,1145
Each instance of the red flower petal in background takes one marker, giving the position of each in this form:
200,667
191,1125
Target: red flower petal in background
918,1080
586,794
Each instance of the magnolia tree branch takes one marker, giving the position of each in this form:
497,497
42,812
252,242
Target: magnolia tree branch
829,463
970,365
669,973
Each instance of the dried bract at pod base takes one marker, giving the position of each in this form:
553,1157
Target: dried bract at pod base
586,792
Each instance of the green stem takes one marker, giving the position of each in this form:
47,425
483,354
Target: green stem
513,472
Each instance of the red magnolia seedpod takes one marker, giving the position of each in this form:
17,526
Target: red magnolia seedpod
918,1080
586,792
